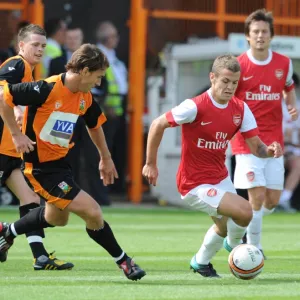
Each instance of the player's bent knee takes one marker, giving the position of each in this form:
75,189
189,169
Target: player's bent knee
272,198
57,219
270,204
257,200
92,215
95,219
245,214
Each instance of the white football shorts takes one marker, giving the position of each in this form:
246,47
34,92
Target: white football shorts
252,171
207,197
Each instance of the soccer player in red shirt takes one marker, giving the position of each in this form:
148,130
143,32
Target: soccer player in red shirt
265,74
208,123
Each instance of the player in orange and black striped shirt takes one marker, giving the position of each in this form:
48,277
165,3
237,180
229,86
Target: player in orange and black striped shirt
54,106
32,41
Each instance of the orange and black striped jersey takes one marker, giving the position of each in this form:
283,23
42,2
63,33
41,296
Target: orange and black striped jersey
14,70
52,114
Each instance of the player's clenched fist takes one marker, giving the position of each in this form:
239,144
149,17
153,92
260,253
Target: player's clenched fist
275,150
150,172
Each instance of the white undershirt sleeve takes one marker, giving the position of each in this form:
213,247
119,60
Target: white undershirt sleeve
185,112
289,78
249,121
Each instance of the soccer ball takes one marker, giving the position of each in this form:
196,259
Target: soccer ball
245,261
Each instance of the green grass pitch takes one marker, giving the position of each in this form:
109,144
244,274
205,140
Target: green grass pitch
162,241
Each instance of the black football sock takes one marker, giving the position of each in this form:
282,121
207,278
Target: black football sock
34,238
105,238
34,220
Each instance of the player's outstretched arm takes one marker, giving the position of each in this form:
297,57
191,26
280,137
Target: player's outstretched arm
21,141
157,128
259,149
107,169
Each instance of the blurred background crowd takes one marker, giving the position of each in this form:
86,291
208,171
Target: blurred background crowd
181,40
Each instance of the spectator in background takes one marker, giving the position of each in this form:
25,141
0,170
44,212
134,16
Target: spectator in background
74,39
56,33
13,49
113,95
292,156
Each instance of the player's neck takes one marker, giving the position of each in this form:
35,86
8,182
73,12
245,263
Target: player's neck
260,55
71,82
214,96
31,66
222,102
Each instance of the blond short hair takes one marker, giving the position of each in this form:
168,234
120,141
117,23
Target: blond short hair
228,62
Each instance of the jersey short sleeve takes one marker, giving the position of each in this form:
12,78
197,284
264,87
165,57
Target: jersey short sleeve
289,83
12,71
27,93
249,127
94,116
185,112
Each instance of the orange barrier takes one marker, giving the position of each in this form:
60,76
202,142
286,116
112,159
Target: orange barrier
136,97
11,6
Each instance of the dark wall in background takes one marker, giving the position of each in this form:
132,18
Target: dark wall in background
88,13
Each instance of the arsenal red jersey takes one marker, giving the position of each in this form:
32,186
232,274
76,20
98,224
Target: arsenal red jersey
207,128
261,85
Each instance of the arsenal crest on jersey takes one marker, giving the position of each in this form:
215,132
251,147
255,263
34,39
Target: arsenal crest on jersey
212,192
250,176
279,73
237,120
